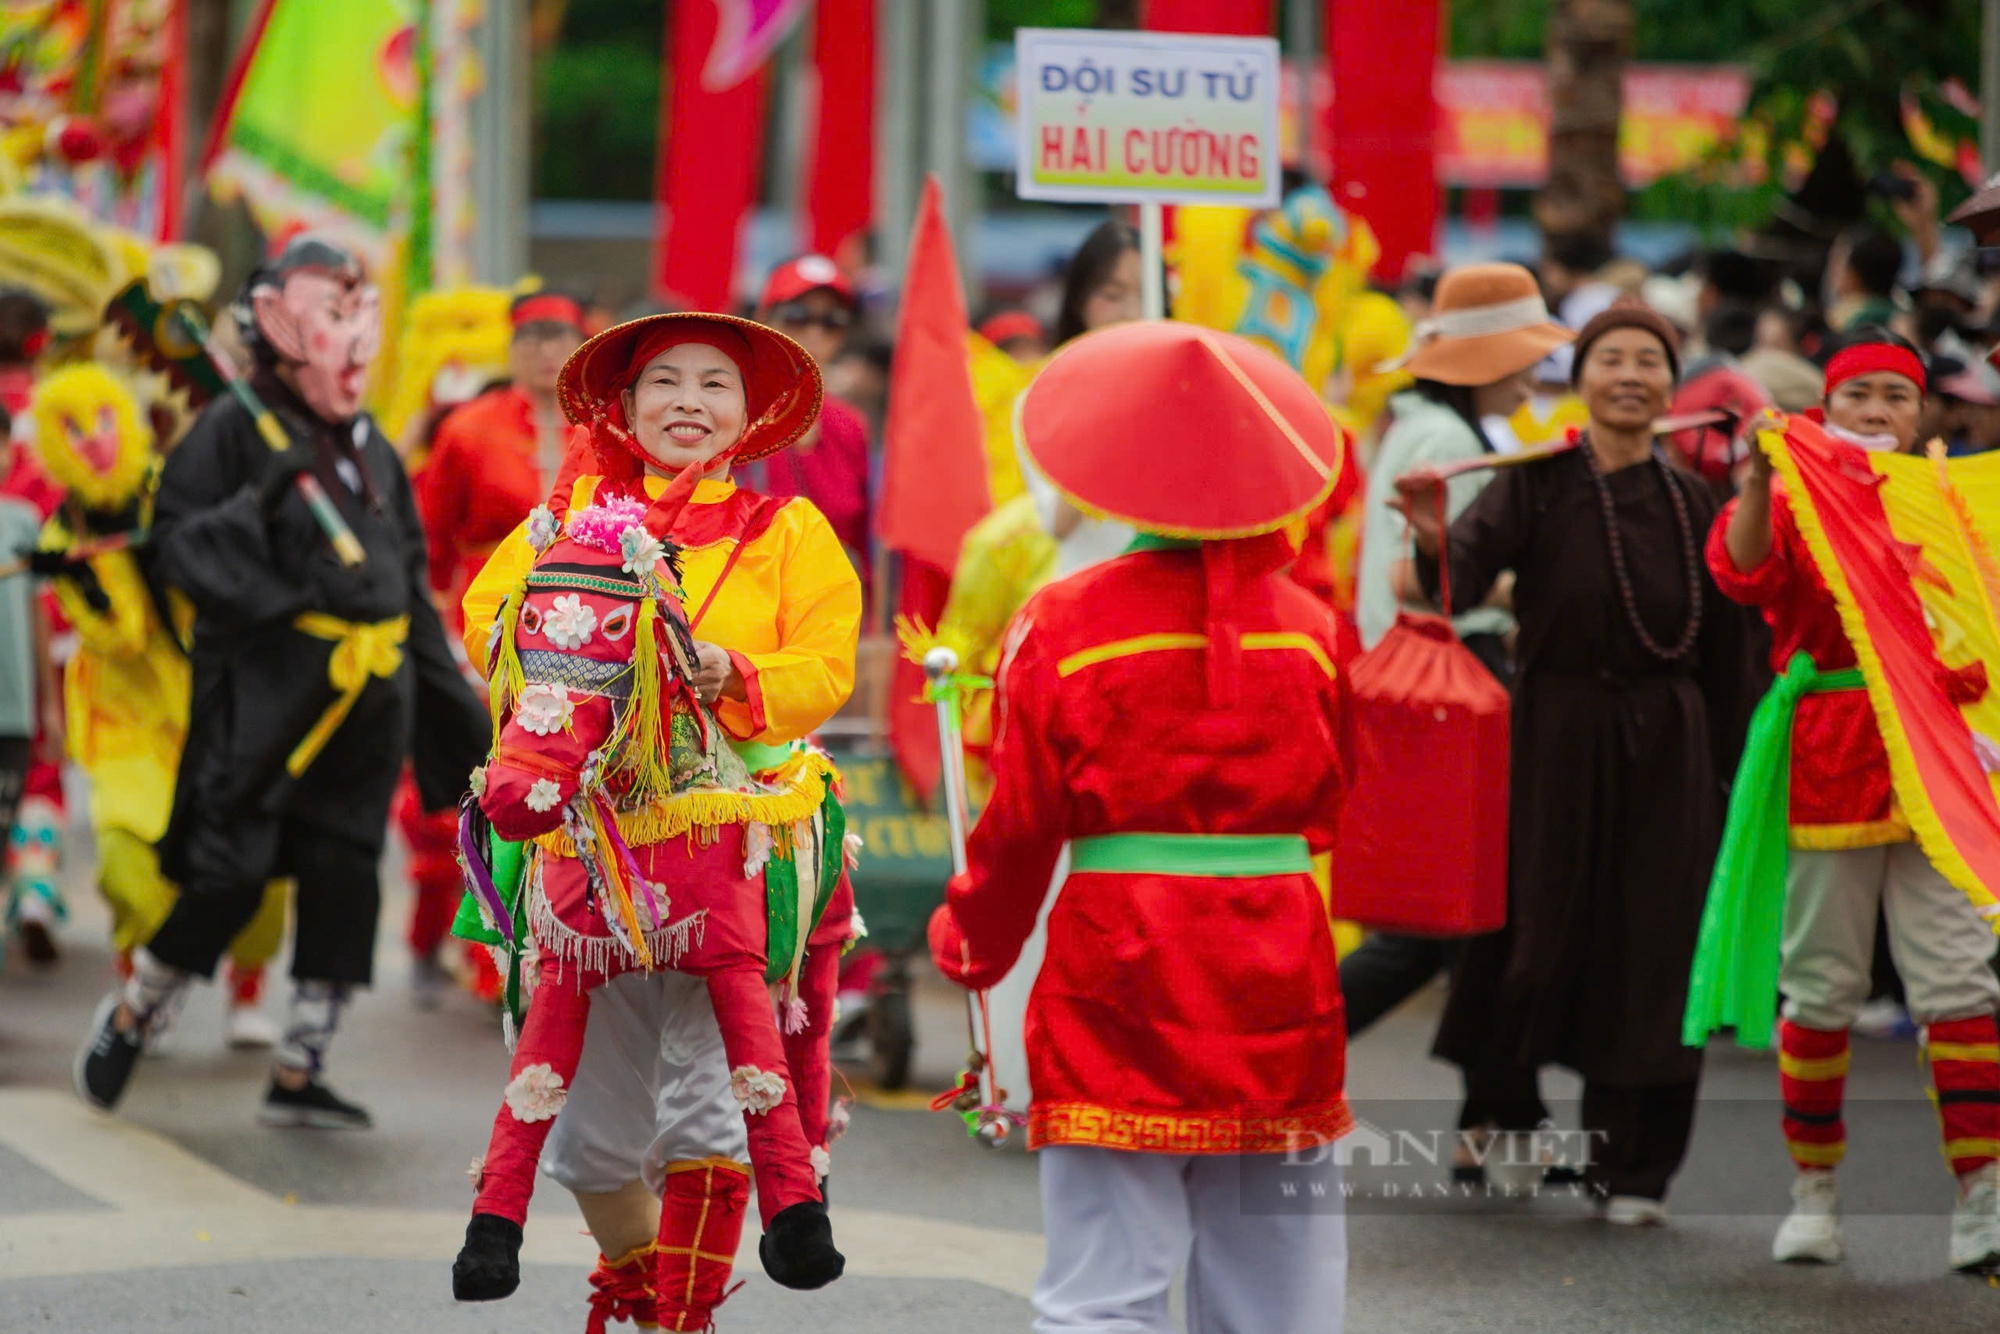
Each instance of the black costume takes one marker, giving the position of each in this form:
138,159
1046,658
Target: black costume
1619,764
261,684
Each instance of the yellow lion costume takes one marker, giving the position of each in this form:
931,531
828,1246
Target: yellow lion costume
126,690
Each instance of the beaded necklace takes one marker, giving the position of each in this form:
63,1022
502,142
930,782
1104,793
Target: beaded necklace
1693,558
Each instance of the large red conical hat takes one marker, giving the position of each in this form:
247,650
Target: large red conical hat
1180,430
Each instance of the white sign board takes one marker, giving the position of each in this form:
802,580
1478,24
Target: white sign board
1146,118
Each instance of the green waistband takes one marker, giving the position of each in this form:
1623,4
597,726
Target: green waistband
1234,855
1848,678
760,755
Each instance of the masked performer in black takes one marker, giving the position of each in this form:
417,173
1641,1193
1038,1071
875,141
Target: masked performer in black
312,680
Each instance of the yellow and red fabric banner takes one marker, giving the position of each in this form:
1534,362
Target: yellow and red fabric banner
1907,545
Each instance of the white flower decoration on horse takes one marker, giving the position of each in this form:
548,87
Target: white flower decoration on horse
544,707
758,1090
536,1094
569,623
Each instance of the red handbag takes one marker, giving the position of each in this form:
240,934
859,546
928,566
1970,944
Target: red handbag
1422,841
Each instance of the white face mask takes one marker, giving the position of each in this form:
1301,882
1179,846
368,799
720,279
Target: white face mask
1874,444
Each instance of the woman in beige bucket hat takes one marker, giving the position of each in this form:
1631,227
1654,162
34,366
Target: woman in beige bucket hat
1487,329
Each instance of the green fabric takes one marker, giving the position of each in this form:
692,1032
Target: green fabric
1158,542
507,860
781,891
1734,982
759,756
1230,855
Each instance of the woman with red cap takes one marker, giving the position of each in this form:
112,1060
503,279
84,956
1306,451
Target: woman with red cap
1174,715
1851,851
1626,708
670,403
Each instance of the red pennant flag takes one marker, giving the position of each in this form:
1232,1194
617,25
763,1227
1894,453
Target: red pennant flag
934,484
934,443
1234,18
840,189
709,141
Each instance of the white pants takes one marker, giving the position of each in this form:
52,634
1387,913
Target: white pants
1939,942
1119,1225
652,1088
1007,1000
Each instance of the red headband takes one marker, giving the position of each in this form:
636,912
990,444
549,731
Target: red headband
548,308
1869,358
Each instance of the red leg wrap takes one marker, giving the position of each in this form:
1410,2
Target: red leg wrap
701,1225
806,1051
551,1036
1812,1079
1965,1074
622,1289
778,1149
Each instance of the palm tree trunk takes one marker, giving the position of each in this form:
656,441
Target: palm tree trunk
1588,44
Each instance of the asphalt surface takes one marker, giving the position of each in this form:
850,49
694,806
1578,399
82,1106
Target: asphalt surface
182,1214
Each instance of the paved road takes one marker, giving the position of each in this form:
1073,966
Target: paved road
183,1215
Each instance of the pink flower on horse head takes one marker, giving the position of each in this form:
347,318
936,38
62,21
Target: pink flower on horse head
600,525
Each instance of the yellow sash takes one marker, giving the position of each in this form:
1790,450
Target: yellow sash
360,651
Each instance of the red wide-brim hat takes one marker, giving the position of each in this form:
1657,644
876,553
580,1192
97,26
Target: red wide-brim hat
1179,430
781,384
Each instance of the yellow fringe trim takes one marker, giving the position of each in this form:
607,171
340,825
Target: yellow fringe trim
1816,1155
1824,1067
1841,837
1925,825
802,782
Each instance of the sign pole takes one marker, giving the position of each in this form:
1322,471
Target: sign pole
1152,261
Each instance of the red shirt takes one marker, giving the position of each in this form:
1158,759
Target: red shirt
830,471
1841,793
482,478
1173,1013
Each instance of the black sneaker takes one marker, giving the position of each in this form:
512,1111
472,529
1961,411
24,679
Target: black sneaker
104,1066
314,1105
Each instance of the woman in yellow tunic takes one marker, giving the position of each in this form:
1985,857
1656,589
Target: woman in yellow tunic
125,693
776,608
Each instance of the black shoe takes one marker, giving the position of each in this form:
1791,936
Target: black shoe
488,1266
314,1105
797,1249
104,1066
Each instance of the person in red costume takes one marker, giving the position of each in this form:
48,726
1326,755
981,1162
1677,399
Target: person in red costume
1852,855
811,301
1176,716
491,461
651,1139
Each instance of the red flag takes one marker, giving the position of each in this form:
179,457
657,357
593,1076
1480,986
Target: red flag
912,724
1231,18
709,141
934,465
934,443
1383,124
840,186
